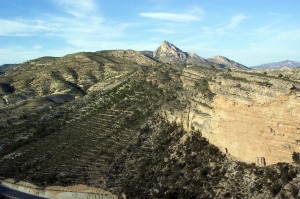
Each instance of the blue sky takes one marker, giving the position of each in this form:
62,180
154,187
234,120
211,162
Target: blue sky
250,32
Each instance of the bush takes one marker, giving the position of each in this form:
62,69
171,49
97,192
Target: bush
296,157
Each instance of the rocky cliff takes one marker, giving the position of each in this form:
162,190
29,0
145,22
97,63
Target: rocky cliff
255,119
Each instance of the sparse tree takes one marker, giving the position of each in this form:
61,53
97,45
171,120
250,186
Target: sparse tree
296,157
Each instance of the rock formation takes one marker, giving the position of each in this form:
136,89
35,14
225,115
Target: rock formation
248,118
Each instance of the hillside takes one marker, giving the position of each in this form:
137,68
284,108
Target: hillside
147,127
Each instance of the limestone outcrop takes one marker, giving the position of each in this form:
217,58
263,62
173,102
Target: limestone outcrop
254,119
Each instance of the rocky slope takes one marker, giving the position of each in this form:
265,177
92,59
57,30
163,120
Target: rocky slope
224,62
129,123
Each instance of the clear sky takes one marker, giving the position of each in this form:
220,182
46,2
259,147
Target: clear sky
251,32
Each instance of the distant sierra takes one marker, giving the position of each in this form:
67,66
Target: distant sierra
278,65
169,53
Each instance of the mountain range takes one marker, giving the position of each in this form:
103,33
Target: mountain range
169,53
278,65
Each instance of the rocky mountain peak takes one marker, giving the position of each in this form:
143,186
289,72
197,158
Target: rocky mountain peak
167,47
169,53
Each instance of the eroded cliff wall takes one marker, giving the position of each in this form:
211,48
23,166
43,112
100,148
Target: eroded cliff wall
255,119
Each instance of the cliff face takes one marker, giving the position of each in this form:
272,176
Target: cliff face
264,133
254,119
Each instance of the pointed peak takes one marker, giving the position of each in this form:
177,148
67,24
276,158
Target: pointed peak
167,47
169,53
167,44
164,42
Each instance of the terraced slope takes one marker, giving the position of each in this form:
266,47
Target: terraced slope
47,82
84,149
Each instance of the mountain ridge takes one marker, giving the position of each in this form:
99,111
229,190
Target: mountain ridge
224,62
278,65
169,53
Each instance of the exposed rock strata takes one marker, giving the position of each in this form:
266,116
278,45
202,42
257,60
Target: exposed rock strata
254,121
